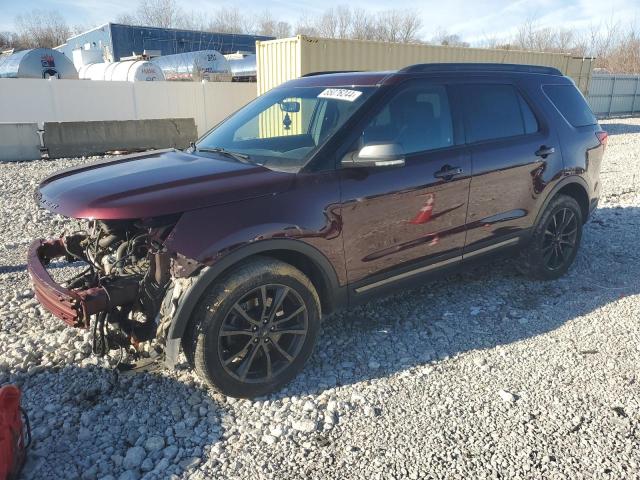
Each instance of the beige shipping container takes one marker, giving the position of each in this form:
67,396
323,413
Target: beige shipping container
289,58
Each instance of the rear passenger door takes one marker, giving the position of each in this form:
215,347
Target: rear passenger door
511,147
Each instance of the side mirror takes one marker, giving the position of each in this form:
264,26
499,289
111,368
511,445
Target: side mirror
376,155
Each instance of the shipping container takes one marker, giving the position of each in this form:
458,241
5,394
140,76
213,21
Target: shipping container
118,41
289,58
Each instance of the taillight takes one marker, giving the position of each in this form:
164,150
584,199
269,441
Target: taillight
602,137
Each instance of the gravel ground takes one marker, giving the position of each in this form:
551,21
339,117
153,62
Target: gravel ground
481,375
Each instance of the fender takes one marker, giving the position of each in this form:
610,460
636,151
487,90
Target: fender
208,275
563,182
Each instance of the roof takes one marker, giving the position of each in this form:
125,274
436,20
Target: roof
479,67
341,79
356,78
148,27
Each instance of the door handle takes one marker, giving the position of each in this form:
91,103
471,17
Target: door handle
545,151
447,172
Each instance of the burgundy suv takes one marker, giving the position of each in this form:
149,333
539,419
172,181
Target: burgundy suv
320,194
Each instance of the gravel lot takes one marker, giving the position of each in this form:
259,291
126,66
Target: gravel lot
481,375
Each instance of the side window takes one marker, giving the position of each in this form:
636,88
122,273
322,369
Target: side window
496,111
530,122
418,118
571,103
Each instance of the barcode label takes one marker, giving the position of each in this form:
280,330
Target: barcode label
340,94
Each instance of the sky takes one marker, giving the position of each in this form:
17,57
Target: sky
474,21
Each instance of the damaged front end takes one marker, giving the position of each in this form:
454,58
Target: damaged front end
125,274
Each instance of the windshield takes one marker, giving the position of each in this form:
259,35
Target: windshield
284,127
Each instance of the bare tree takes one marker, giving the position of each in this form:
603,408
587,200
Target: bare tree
442,37
326,24
266,24
363,26
616,48
40,28
624,56
342,22
334,23
231,20
127,19
532,37
306,25
160,13
7,40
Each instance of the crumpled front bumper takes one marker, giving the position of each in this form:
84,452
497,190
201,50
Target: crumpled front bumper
73,306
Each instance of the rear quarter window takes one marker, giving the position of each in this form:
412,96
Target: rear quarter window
495,111
571,104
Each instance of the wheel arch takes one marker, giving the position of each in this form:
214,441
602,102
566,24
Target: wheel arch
303,256
572,186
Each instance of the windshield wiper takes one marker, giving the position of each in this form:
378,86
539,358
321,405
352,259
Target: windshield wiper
241,157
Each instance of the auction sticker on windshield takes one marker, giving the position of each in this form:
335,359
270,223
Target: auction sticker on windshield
340,94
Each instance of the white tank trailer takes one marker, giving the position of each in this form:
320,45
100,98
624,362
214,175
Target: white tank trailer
37,63
208,65
243,67
87,55
127,71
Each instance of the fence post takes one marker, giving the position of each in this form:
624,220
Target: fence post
635,95
613,88
205,127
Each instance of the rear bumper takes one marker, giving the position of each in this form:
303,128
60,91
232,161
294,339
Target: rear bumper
74,307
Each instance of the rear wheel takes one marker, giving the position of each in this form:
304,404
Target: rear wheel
555,240
254,330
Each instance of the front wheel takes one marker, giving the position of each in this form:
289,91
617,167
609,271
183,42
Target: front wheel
254,330
555,240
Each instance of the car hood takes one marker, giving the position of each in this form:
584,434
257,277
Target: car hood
155,184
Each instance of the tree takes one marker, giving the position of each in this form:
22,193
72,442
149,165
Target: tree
41,28
127,19
7,40
333,23
160,13
231,20
363,26
615,47
443,37
267,25
342,22
399,26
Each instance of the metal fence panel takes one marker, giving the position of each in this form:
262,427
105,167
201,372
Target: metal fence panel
614,95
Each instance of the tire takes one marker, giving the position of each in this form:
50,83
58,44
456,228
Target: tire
541,259
222,340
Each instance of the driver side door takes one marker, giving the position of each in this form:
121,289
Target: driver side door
399,222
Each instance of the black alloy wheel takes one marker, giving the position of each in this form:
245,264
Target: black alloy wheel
263,333
560,238
254,329
555,240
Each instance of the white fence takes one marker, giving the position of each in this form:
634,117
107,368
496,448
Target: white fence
34,100
614,95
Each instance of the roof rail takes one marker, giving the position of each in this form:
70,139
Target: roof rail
328,72
479,67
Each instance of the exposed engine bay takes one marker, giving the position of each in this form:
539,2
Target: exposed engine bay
124,278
